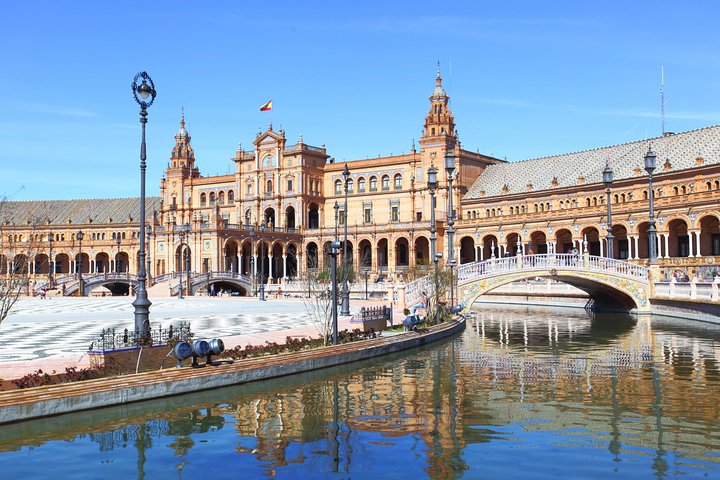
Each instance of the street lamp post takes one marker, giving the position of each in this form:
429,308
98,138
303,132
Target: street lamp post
650,159
79,263
367,273
148,232
608,180
334,246
144,95
450,169
337,210
51,260
436,259
432,185
262,263
345,310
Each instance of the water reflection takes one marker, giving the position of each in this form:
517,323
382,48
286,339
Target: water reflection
567,393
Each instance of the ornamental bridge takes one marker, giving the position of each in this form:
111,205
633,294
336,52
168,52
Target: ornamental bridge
612,284
124,283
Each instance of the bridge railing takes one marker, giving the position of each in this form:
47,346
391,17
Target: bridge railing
470,271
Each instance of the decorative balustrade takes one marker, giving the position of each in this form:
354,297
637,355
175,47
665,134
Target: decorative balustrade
470,271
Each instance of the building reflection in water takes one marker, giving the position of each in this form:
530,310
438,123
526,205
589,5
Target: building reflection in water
622,384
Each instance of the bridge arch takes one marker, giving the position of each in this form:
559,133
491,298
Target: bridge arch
612,284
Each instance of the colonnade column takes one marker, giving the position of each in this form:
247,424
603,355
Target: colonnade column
240,264
482,252
666,238
284,266
254,265
602,249
635,239
690,245
697,244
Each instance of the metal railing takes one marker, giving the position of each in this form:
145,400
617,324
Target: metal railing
111,339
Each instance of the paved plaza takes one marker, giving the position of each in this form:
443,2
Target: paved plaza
40,328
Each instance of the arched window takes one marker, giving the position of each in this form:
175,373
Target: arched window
231,197
684,190
385,183
373,184
203,202
709,186
338,187
289,185
361,185
351,186
268,186
212,198
645,194
249,188
221,198
397,181
248,217
676,190
487,212
587,202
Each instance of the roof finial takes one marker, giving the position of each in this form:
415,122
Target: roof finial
438,80
182,117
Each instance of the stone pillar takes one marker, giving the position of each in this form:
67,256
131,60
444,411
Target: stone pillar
697,244
636,239
666,238
482,252
254,265
690,244
602,248
284,266
401,295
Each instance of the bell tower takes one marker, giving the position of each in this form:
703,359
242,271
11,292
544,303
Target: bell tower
182,158
439,122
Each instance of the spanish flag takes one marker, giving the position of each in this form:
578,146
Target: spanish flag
267,106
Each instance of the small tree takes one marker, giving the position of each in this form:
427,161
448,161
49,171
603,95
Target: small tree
318,304
17,248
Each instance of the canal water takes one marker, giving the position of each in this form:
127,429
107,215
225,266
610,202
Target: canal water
522,393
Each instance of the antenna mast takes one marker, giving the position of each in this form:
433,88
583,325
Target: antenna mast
662,98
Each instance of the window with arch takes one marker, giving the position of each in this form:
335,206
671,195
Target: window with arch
249,189
248,217
645,194
203,202
487,212
231,197
587,202
361,185
269,186
289,185
629,197
221,198
338,187
385,183
213,198
397,181
373,184
351,186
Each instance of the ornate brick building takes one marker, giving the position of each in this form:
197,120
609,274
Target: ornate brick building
285,202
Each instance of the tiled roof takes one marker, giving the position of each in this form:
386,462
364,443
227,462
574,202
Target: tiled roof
79,212
681,151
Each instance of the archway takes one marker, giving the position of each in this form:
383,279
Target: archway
290,218
382,255
592,236
102,262
489,247
621,245
313,216
422,251
365,254
291,261
183,258
467,249
231,255
563,241
679,239
276,263
312,262
269,218
709,236
42,265
538,243
402,250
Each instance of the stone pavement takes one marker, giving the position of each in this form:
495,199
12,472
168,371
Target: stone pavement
51,334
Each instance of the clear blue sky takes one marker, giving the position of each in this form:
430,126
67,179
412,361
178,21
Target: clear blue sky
526,79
